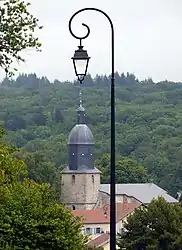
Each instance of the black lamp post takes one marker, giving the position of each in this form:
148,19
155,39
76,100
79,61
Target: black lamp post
80,62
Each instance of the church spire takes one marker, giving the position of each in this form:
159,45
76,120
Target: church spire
80,111
80,97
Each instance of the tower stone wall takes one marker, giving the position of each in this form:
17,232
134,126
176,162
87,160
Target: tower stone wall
80,190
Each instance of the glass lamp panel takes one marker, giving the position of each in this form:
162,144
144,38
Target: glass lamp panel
80,67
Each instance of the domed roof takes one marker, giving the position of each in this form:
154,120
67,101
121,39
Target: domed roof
80,134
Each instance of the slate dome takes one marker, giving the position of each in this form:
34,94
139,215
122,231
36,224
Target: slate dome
81,134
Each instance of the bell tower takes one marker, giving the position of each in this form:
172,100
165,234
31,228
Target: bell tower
80,179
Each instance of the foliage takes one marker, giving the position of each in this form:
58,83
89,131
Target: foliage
40,169
17,27
30,217
41,114
11,169
156,227
127,170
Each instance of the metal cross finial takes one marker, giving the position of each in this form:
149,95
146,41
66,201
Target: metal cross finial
80,96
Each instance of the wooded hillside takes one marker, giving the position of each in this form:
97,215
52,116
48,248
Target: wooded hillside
39,115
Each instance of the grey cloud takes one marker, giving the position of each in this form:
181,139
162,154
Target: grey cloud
148,38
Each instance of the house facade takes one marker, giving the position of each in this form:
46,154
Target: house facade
96,223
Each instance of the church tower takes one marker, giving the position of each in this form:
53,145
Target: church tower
80,179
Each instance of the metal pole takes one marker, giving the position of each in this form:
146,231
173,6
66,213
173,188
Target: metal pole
112,159
112,167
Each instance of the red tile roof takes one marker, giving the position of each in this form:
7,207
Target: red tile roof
99,241
92,216
97,216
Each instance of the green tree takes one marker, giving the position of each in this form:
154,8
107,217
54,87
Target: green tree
11,169
30,217
39,118
14,122
157,226
127,170
41,170
17,27
57,115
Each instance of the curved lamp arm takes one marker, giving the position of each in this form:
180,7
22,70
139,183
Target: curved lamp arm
112,171
88,32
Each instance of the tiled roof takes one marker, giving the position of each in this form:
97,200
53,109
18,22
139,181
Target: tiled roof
99,241
97,216
91,216
144,192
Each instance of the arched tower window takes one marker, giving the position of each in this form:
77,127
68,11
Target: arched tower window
73,179
92,179
73,207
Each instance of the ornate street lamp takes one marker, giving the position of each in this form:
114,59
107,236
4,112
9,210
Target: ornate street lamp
80,63
81,59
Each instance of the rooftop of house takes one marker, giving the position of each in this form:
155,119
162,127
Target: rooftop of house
144,192
99,241
102,215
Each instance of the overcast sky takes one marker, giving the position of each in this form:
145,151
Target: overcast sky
148,38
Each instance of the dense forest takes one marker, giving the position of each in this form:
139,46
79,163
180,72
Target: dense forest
38,116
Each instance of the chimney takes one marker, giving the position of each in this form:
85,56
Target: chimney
125,202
